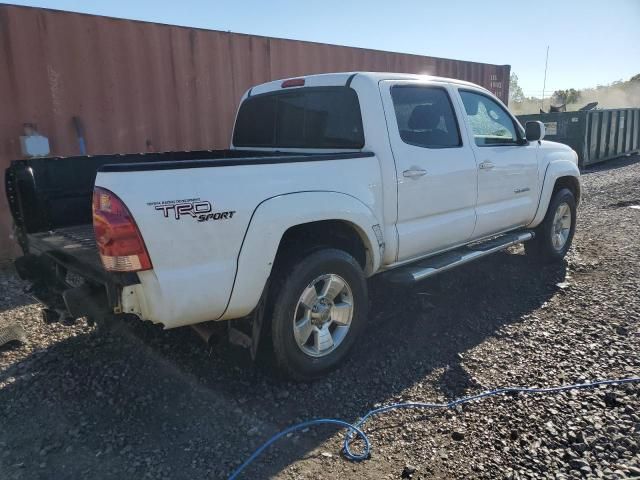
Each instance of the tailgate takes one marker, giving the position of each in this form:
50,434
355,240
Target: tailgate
75,247
65,269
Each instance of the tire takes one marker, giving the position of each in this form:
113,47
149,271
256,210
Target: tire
548,246
318,315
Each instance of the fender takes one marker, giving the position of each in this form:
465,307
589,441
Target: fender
269,223
558,166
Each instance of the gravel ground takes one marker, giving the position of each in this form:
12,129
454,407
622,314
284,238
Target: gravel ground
138,402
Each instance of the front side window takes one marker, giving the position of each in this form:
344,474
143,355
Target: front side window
490,123
313,117
425,116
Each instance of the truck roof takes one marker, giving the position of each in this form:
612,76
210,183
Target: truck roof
341,78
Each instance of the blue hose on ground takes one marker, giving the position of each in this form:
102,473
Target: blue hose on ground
354,430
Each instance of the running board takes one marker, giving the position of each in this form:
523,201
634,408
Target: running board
446,261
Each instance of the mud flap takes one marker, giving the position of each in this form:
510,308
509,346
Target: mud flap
253,324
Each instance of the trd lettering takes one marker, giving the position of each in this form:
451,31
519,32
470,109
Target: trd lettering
200,210
181,209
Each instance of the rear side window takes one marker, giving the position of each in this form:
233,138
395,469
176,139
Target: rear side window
313,117
425,116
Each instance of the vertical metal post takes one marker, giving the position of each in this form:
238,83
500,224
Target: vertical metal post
544,83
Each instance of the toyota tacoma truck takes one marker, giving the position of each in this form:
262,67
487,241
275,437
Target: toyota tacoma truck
329,180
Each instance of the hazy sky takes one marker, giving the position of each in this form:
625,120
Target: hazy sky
591,41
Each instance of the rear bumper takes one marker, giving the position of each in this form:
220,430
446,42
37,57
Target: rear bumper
64,285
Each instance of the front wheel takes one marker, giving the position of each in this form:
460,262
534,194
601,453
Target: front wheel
555,234
319,311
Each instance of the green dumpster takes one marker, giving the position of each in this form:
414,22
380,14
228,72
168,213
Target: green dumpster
596,135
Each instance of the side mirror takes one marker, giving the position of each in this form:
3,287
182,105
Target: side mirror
534,131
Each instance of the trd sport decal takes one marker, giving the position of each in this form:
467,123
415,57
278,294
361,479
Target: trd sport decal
201,210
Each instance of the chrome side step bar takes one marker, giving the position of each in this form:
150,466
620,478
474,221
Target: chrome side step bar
446,261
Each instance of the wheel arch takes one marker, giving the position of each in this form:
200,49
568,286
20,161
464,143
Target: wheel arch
287,220
305,238
569,182
558,174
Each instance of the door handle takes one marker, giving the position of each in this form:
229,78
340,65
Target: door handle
486,165
414,173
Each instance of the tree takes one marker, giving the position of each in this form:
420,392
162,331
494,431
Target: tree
635,78
516,95
566,96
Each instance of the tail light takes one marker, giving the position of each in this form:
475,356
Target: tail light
119,241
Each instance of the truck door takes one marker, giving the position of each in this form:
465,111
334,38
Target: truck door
436,170
507,165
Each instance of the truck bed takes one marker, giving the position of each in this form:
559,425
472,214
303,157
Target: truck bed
51,203
46,194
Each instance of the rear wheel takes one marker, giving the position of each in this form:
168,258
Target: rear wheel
555,234
319,311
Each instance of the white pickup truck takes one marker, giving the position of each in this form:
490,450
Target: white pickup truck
330,179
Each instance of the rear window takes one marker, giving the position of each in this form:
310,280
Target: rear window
313,117
425,116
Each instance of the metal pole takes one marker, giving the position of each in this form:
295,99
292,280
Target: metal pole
544,84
